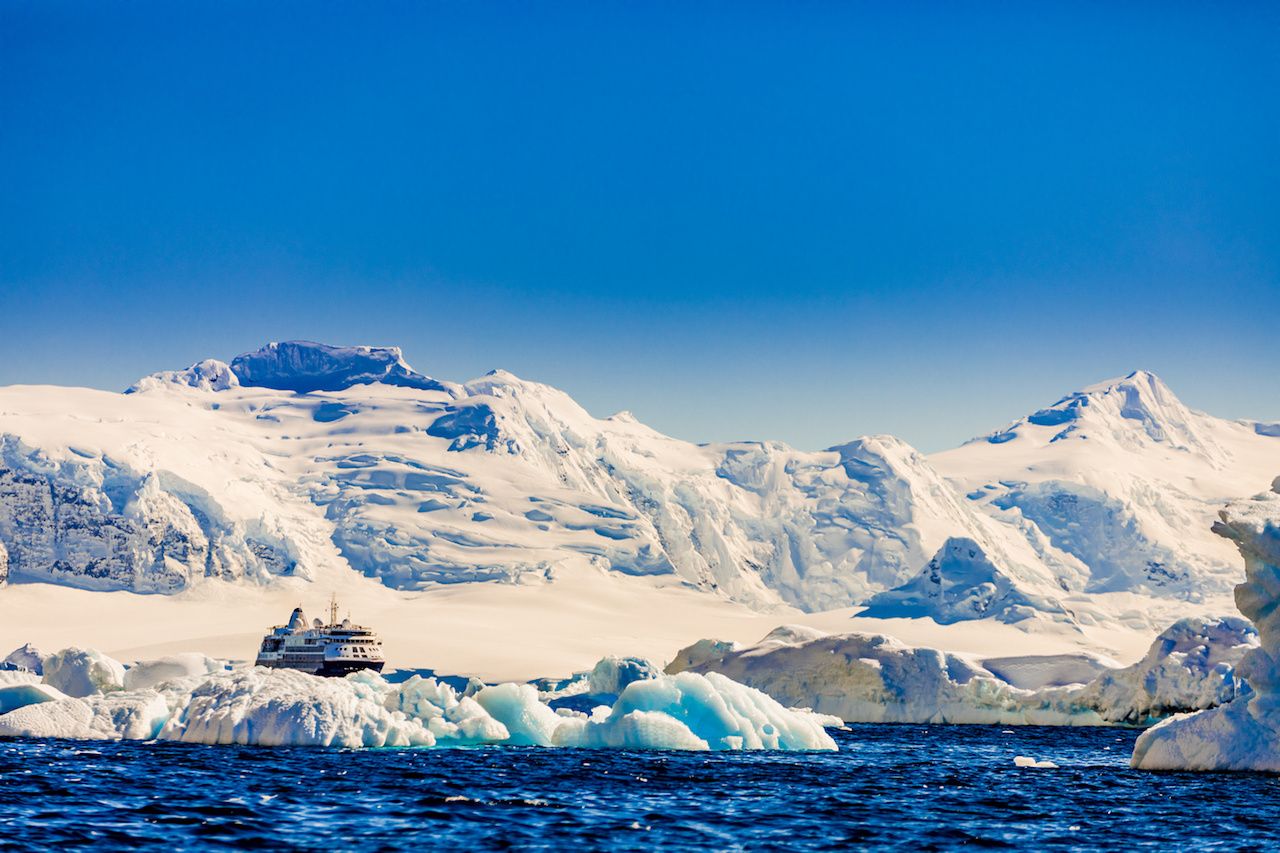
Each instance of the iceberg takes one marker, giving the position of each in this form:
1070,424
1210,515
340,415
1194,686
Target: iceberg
599,685
26,657
83,672
691,711
1194,664
281,707
611,675
17,676
872,678
153,672
448,716
960,582
19,695
1243,734
172,699
113,716
1031,672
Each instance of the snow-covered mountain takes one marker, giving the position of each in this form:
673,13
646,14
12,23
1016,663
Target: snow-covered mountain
303,459
1124,481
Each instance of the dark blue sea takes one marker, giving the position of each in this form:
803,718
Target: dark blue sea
904,787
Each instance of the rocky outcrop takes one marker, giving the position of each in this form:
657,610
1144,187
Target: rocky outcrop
959,583
304,367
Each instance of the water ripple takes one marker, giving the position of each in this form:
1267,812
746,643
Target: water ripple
890,787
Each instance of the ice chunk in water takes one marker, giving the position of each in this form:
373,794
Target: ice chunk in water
83,672
1028,761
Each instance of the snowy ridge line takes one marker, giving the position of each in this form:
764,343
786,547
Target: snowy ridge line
325,459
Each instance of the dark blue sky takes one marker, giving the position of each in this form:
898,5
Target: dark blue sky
802,221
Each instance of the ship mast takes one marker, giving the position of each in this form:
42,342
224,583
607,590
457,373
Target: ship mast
333,608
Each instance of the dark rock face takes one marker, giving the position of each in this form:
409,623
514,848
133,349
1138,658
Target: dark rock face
468,426
303,367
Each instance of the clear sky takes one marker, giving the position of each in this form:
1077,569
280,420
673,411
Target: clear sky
803,221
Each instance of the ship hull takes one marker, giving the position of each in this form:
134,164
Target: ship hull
328,669
337,669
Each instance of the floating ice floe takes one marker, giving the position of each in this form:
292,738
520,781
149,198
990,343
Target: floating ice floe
1243,734
1028,761
274,707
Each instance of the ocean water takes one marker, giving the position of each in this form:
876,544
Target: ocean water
904,787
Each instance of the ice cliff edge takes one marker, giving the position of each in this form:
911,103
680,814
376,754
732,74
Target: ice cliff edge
1243,734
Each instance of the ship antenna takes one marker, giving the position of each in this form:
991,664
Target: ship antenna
333,608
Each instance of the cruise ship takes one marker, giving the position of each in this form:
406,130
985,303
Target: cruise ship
334,649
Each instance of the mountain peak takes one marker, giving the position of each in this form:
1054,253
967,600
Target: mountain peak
960,582
1140,379
299,366
207,375
1136,407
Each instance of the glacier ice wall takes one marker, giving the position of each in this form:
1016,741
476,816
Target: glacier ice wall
1243,734
96,523
1193,664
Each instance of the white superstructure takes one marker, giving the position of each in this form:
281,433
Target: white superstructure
333,649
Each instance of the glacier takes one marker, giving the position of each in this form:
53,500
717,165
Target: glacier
199,701
358,461
1243,734
500,504
326,459
100,523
